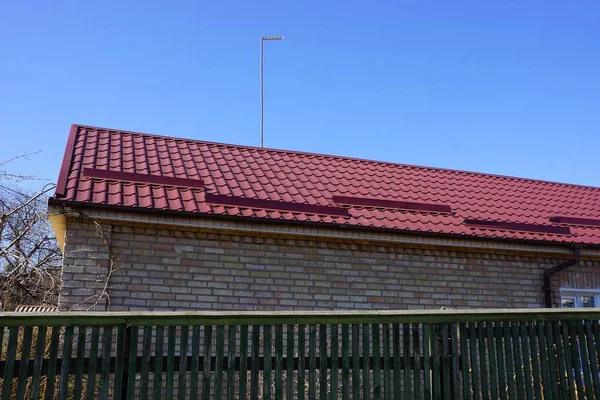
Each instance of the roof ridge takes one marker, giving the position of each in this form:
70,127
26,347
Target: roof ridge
305,153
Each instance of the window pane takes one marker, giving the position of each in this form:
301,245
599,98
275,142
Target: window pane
587,301
568,302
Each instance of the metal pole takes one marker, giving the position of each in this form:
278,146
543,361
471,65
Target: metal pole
261,92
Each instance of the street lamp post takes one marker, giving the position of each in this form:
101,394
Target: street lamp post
262,39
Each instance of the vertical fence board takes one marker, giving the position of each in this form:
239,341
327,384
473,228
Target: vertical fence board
91,378
454,359
529,357
131,364
11,354
345,362
435,354
500,357
483,360
406,356
78,382
243,361
594,358
366,344
105,369
426,362
355,362
278,362
25,354
585,361
301,360
231,362
195,367
535,361
551,360
120,363
446,391
323,362
158,363
575,358
63,389
171,343
474,367
145,370
417,357
37,362
219,361
183,352
509,357
560,355
544,360
312,362
334,361
207,353
464,361
267,371
376,362
568,360
397,359
491,349
518,357
387,368
51,374
289,382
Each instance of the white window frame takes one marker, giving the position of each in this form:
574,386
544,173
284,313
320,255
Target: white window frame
577,294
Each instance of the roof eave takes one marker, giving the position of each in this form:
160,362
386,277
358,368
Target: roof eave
74,204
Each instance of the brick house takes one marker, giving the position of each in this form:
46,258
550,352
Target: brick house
148,222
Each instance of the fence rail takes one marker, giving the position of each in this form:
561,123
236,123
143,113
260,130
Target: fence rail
449,354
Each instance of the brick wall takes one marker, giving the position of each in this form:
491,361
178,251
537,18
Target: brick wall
174,269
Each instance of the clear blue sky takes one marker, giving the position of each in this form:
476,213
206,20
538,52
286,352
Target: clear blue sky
506,87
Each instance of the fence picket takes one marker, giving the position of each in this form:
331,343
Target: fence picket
323,362
278,362
345,362
105,368
11,353
334,371
594,358
355,362
289,382
146,351
219,361
376,363
183,352
243,361
195,364
560,355
231,362
91,378
406,357
529,357
25,354
312,362
387,365
158,365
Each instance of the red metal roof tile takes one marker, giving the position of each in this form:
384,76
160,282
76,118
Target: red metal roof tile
297,184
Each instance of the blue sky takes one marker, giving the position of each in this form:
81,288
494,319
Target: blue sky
506,87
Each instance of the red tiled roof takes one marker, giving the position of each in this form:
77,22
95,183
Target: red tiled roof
140,171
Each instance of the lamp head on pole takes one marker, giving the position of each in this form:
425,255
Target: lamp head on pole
271,38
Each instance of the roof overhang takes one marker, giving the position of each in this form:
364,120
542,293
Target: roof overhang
60,210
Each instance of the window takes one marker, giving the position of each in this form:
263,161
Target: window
579,298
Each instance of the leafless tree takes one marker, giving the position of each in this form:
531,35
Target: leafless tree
29,255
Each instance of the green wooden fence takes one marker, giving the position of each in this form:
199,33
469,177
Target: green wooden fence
488,354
